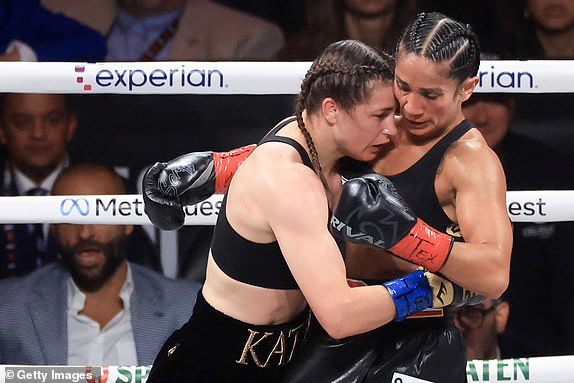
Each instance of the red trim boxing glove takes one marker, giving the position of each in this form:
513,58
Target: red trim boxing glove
225,165
371,211
187,180
424,246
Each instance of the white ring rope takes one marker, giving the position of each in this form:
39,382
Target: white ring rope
128,209
224,77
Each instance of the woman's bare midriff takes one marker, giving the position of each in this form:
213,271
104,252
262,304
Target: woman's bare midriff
250,304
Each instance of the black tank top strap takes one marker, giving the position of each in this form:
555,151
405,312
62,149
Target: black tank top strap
272,137
449,138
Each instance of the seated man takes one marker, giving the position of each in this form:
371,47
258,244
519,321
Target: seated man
92,307
36,133
481,325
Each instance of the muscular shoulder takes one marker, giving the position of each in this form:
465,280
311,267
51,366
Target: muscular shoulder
470,157
281,183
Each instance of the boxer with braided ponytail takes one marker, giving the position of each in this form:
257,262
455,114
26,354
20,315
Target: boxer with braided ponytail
436,201
273,259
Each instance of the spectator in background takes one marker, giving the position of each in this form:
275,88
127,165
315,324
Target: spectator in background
376,23
550,29
93,307
139,30
290,15
516,29
36,130
481,325
540,324
482,15
30,32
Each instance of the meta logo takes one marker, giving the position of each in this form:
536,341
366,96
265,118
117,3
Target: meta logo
506,79
119,208
78,205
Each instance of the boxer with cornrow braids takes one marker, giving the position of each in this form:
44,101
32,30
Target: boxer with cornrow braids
273,260
433,139
440,166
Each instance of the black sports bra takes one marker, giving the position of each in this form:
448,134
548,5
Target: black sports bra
259,264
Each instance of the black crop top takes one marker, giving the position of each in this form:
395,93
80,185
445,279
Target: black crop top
416,184
259,264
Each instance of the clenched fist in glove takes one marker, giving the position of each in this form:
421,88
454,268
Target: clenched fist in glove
411,293
187,180
447,293
371,211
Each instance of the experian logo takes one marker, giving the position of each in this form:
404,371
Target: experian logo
493,79
130,79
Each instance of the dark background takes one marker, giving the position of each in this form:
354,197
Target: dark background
137,130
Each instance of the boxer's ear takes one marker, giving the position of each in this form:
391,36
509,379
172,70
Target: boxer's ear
467,88
330,108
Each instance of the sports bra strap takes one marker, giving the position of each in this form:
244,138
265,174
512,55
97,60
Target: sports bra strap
272,137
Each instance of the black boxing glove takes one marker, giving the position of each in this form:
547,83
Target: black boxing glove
187,180
371,211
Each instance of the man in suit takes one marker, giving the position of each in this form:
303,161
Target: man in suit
143,30
35,133
35,130
93,307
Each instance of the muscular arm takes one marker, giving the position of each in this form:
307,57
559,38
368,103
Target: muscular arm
300,223
482,262
471,188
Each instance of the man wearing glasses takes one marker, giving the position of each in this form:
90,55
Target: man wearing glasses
481,326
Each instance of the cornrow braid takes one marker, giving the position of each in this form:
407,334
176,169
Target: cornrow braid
440,47
413,34
352,70
439,38
345,71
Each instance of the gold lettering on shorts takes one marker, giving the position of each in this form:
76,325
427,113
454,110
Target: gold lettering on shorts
279,348
297,331
282,348
249,348
172,350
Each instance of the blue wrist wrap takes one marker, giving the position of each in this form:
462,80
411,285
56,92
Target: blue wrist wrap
411,293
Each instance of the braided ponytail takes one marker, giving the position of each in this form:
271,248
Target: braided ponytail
345,71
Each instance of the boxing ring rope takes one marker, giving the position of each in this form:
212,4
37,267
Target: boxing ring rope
253,78
197,77
128,209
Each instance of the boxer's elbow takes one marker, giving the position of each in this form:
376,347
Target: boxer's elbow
498,283
337,328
